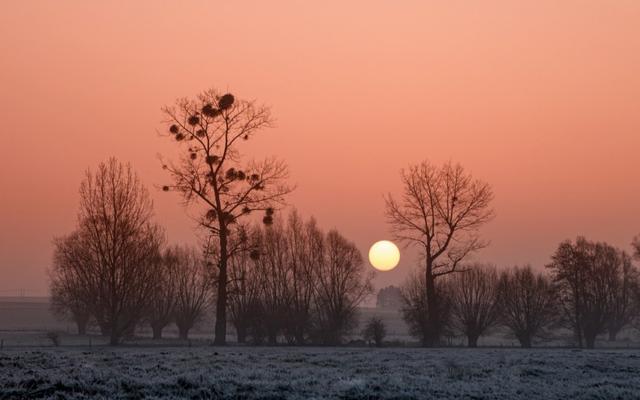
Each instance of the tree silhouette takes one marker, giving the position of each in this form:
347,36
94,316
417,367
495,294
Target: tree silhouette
163,298
588,276
374,331
67,295
474,301
210,130
636,247
112,258
440,211
528,303
193,287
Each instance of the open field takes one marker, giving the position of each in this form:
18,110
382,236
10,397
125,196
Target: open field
304,373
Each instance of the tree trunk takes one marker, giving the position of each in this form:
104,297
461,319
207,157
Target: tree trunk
590,341
114,339
273,339
183,332
157,332
221,305
241,334
613,334
82,326
525,341
472,340
105,330
431,334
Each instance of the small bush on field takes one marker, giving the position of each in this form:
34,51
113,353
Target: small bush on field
374,331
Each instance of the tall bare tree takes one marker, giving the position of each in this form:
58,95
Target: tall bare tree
288,256
305,247
115,251
342,284
245,294
624,285
474,301
163,298
67,295
193,287
211,129
440,211
584,272
273,266
527,302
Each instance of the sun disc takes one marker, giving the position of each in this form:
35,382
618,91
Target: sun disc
384,255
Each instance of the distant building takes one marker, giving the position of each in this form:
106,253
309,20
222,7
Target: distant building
390,298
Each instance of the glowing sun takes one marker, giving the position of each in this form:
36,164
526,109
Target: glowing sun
384,255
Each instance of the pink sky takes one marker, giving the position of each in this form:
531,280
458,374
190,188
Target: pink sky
539,98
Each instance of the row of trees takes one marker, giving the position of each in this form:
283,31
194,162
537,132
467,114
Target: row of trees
114,269
290,279
285,279
592,288
296,282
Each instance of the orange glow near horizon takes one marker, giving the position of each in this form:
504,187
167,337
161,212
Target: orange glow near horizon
539,98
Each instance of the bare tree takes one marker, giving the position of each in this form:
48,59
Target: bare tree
624,285
475,302
273,265
305,246
67,296
193,287
528,303
211,129
342,284
374,331
584,272
636,247
440,211
245,289
115,250
163,298
272,285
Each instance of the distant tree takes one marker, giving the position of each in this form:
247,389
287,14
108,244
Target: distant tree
163,299
623,300
374,331
111,260
245,289
211,129
193,287
527,301
121,246
585,273
273,265
636,247
342,284
389,297
440,211
474,301
305,247
67,295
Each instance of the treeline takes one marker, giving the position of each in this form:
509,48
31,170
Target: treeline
115,270
590,288
287,280
296,283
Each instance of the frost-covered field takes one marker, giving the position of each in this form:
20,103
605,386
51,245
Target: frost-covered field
305,373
